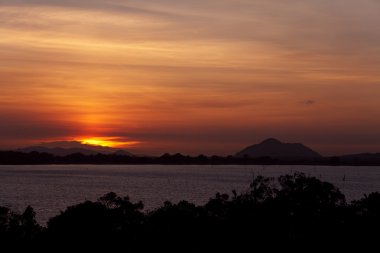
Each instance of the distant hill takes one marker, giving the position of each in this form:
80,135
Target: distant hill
278,150
364,157
65,148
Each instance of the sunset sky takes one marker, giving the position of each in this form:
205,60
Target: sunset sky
199,76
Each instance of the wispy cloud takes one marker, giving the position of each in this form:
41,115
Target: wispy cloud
103,67
309,102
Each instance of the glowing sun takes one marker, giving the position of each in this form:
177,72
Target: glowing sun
113,142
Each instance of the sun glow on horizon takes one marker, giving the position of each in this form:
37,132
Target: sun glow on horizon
112,142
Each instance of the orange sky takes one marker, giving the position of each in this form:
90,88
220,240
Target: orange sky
210,76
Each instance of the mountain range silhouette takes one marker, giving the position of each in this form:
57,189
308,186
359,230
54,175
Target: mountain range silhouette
64,148
269,151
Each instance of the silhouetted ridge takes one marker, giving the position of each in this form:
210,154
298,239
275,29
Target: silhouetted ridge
268,152
65,148
278,150
367,157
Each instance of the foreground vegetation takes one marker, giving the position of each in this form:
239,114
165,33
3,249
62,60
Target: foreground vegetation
292,212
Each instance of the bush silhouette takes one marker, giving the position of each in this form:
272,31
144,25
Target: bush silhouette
292,212
18,231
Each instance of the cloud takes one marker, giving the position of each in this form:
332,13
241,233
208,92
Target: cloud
167,66
122,7
309,102
20,128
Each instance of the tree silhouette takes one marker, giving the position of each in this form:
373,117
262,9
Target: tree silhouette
293,212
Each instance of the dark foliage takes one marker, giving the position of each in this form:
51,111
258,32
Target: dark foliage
293,212
20,231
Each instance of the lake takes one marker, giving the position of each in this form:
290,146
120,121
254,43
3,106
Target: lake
51,188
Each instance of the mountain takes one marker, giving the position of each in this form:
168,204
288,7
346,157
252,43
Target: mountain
278,150
64,148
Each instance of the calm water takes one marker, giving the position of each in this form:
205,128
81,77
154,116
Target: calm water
52,188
